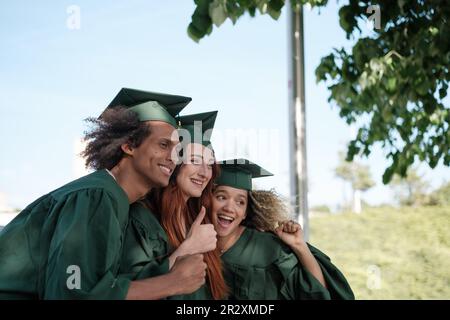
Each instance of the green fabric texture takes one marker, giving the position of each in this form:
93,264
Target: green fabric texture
203,293
80,224
146,251
238,173
146,248
151,105
337,285
260,266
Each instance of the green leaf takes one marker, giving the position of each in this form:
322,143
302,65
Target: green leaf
347,19
433,162
443,91
217,13
325,68
387,175
202,5
391,84
429,108
274,8
202,23
421,87
433,31
194,33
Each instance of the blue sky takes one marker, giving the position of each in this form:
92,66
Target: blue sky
52,77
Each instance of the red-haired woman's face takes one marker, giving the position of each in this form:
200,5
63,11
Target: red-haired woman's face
229,207
196,171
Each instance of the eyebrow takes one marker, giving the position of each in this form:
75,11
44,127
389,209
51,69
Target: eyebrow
168,141
210,160
239,196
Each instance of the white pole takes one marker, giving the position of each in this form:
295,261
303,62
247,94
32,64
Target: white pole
297,119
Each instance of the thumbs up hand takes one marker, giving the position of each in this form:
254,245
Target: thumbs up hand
201,238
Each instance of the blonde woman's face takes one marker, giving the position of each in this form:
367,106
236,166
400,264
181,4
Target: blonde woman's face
229,208
195,174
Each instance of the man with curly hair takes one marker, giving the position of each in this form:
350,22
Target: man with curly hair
67,244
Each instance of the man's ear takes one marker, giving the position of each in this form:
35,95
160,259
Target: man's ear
127,149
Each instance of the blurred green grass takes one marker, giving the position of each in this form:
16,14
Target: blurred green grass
408,247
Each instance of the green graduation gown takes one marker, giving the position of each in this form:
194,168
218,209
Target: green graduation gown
260,266
146,250
74,232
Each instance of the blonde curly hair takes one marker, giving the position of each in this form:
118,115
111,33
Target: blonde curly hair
266,208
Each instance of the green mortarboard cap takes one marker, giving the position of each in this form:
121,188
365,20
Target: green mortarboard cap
151,105
199,126
238,173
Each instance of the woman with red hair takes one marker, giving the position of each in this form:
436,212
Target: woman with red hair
168,224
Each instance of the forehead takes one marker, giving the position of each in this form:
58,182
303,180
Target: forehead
161,129
196,149
232,191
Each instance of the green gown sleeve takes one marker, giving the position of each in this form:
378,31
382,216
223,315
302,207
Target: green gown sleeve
87,238
298,283
337,285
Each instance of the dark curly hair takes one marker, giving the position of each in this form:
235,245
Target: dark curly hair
115,127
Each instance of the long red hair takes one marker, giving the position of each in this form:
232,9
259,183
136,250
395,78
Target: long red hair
176,217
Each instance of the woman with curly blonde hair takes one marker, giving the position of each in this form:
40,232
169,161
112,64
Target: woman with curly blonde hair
264,254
